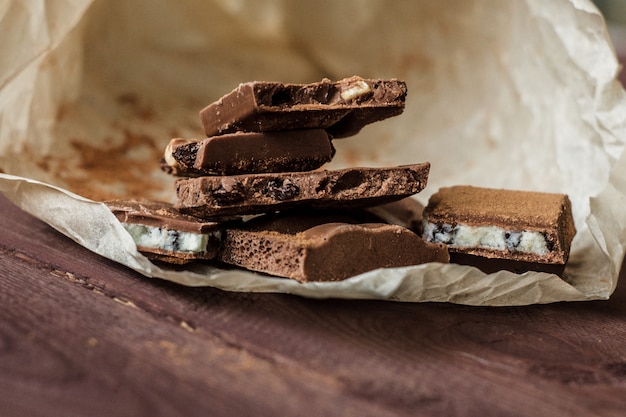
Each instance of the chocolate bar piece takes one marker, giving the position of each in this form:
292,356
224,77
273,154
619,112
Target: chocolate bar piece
162,233
343,108
324,248
529,228
215,197
252,152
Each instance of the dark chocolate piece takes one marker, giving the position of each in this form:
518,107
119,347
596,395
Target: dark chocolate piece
252,152
162,233
521,226
214,197
324,248
343,108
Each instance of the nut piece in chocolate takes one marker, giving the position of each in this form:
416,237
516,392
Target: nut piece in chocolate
217,197
162,233
324,248
251,152
343,108
532,228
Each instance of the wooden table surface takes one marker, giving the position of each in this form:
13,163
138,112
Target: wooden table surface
83,336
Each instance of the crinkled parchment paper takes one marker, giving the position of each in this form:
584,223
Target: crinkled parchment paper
515,94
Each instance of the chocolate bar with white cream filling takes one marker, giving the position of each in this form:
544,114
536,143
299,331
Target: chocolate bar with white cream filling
533,229
164,234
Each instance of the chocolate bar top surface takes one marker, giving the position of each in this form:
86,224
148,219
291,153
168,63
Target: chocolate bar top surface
342,107
477,206
324,247
214,197
159,214
251,152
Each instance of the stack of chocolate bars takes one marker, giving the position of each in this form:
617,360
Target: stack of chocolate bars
253,194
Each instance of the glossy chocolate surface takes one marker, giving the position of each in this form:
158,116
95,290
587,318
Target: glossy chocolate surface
252,152
343,108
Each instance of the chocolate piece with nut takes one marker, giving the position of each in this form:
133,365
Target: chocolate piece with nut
250,152
342,108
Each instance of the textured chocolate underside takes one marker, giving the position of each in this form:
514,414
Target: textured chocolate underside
215,197
324,248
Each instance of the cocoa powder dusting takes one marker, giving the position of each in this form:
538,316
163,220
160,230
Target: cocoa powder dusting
134,103
123,170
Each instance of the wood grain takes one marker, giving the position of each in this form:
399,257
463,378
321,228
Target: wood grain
80,335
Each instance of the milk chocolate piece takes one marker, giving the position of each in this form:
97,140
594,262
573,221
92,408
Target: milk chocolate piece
164,234
527,227
343,108
214,197
252,152
324,248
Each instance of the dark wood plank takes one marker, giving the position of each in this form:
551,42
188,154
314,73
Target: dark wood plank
81,335
72,348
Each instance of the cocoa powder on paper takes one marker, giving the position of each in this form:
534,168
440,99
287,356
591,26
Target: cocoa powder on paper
105,173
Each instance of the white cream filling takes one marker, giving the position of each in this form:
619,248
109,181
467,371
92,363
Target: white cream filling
491,237
167,239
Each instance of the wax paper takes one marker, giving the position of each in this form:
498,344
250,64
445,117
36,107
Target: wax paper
518,94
